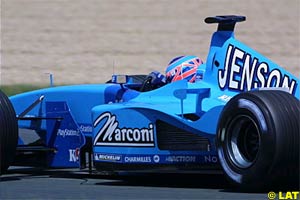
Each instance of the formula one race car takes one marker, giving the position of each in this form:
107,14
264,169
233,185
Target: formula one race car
238,112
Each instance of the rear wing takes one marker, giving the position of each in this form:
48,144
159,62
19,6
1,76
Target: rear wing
238,68
226,22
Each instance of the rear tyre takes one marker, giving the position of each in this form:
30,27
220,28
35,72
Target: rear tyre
8,132
258,140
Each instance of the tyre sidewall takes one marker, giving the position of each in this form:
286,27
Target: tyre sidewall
249,105
8,133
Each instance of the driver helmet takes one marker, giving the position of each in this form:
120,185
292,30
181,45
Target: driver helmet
183,67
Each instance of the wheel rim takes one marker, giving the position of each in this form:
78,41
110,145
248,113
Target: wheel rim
243,141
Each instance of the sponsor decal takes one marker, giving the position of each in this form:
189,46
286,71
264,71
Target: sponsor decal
210,159
112,135
156,158
107,157
86,128
181,158
68,132
140,159
224,98
74,155
244,72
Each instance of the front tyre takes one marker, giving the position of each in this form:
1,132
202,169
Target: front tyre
258,139
8,133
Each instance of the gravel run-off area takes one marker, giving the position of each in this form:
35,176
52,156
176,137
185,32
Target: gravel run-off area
86,41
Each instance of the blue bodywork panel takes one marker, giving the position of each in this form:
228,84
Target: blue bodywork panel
174,125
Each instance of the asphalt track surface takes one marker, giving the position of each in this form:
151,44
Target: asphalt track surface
32,183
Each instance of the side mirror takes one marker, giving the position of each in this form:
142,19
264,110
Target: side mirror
119,79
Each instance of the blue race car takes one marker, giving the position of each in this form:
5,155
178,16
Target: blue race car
238,112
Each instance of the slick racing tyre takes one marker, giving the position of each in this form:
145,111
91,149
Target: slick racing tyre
258,139
8,132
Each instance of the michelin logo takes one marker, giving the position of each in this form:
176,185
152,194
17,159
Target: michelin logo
107,157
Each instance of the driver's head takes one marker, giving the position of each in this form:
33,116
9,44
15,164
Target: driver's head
183,67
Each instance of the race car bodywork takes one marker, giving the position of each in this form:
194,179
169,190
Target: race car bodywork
226,120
